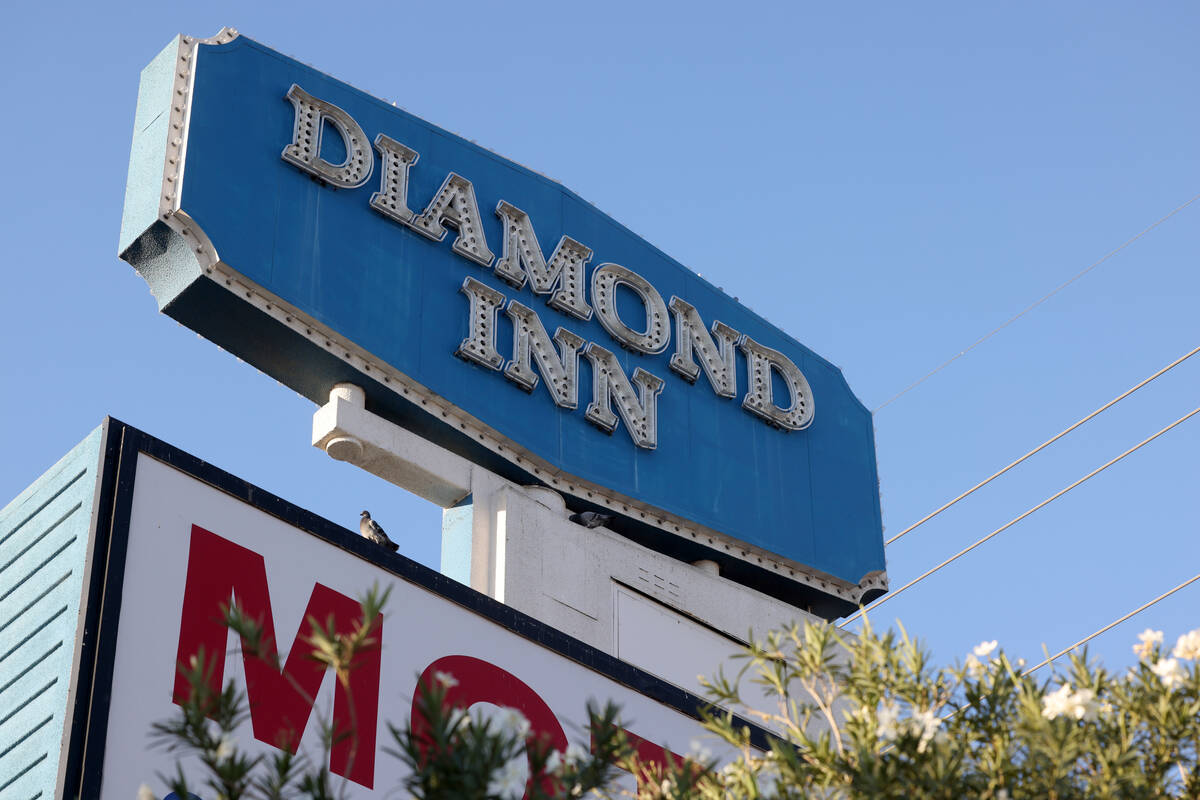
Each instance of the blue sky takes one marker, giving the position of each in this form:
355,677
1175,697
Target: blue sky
886,182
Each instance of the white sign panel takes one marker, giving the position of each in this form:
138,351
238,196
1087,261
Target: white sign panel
191,546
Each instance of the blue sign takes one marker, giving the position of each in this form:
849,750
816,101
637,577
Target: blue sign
324,235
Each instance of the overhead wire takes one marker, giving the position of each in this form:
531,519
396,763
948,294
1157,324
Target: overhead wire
1045,444
1015,520
1113,624
1088,638
1031,306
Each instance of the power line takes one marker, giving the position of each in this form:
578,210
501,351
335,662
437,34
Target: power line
1113,624
1029,308
1046,443
1015,520
1087,639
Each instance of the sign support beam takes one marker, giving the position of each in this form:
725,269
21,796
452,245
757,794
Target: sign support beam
521,548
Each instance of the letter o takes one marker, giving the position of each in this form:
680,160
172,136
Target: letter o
480,681
605,279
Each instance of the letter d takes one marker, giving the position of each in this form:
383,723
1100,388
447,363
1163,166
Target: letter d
305,150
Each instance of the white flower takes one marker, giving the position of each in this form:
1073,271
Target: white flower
224,748
511,723
1002,794
1057,702
457,718
445,679
697,751
1147,639
928,724
984,649
887,715
1169,672
144,792
555,762
576,754
1080,705
1188,646
1151,636
974,666
1084,705
508,782
503,721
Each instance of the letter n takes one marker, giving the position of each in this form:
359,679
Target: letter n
221,573
609,383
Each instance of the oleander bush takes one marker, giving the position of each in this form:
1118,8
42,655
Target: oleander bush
871,717
863,716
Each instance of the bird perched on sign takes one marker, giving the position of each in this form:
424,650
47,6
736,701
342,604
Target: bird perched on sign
371,531
590,519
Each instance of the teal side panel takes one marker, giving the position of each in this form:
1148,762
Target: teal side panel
456,541
44,538
148,152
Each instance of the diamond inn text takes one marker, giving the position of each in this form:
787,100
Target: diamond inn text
535,355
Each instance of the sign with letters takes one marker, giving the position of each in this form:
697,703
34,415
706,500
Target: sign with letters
324,235
175,539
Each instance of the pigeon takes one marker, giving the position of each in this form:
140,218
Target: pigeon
371,531
590,519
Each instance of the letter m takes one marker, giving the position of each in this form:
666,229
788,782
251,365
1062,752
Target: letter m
221,573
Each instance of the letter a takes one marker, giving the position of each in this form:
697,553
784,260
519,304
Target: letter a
454,205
